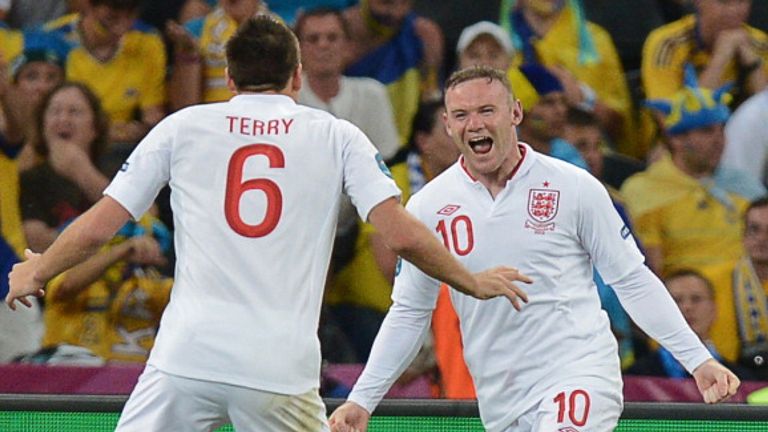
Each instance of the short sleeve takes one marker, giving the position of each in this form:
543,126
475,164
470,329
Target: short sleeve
604,234
146,171
367,180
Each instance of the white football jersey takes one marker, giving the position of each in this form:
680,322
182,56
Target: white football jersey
553,222
255,188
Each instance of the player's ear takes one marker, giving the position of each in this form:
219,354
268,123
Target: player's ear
230,82
517,112
445,124
297,78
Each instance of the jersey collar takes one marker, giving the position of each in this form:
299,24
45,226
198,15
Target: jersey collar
272,97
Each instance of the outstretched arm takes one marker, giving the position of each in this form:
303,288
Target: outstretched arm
649,304
81,240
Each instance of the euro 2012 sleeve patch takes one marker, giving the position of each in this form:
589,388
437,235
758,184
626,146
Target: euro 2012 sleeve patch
625,232
383,166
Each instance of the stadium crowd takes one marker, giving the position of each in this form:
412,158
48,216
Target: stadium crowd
670,114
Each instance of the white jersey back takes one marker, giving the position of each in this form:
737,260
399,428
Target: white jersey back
255,186
553,221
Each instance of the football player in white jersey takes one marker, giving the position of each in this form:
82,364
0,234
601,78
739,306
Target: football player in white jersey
552,366
256,183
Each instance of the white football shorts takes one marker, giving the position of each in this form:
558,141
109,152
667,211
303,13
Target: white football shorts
164,402
590,406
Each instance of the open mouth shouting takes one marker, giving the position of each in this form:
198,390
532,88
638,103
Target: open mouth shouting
481,144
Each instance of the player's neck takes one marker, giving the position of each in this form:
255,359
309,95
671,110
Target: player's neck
496,181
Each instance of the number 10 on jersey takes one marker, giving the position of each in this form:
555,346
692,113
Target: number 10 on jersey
236,187
460,237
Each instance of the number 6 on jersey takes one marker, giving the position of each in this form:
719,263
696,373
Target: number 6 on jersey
236,187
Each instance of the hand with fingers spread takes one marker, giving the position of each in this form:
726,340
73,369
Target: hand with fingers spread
24,282
498,282
715,382
349,417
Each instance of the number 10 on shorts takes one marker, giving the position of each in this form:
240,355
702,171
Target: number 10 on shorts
575,405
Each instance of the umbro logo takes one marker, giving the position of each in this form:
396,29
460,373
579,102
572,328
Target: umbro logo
568,429
449,210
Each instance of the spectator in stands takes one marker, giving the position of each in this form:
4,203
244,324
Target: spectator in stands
71,134
685,215
34,73
717,41
398,48
484,43
582,55
199,61
583,131
740,331
112,303
542,95
324,38
121,59
746,138
695,296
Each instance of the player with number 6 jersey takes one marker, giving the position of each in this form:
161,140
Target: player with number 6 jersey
256,184
553,365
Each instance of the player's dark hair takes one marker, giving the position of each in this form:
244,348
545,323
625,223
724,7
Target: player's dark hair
100,120
262,55
685,272
478,72
298,27
123,5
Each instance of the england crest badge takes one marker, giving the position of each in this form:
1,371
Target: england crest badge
543,205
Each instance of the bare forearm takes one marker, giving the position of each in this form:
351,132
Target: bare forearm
83,275
711,76
411,240
82,239
386,260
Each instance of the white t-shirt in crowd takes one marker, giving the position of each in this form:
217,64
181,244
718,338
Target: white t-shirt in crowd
255,188
365,103
746,134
